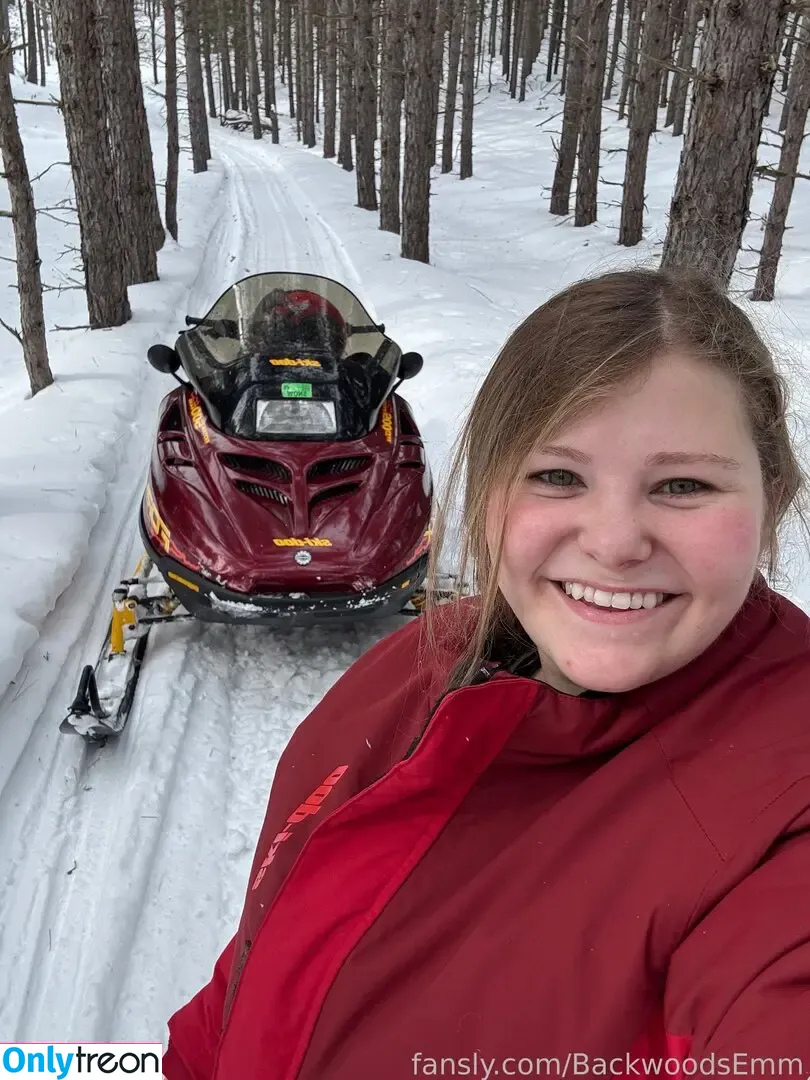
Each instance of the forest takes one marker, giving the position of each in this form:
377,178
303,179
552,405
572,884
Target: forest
388,88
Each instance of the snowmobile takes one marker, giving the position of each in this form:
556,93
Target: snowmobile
288,481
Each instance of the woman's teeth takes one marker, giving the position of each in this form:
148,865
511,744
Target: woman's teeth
620,600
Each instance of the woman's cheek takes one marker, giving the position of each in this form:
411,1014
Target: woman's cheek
724,543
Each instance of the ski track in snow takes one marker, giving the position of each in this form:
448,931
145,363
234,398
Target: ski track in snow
134,858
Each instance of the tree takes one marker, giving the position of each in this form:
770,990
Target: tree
197,116
79,58
420,133
643,114
798,105
172,134
130,148
365,105
391,96
569,139
467,90
24,219
596,47
735,75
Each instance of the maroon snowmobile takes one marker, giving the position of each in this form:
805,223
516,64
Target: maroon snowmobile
288,480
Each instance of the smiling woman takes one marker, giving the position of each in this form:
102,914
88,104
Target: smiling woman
573,818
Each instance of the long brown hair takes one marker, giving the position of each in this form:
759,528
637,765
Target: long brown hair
569,355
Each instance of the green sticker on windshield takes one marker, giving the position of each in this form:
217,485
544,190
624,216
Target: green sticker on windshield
296,390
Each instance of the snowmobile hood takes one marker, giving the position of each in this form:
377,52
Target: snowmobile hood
258,516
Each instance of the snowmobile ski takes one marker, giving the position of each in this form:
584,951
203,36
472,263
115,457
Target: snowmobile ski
106,690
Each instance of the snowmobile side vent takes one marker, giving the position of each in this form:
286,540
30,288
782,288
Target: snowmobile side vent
338,467
174,451
249,463
332,493
173,420
262,492
406,424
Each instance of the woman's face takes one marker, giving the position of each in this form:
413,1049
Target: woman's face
634,539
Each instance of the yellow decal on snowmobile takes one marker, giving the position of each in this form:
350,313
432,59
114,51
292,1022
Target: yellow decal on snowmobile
388,421
183,581
287,362
198,417
308,541
155,522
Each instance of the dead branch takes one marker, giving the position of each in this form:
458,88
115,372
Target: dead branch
12,331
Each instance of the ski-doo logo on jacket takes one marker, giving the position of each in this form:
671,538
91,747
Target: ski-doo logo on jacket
310,806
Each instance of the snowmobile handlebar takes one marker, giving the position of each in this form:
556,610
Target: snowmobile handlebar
374,328
228,328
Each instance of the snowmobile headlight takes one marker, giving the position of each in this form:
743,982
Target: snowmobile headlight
295,418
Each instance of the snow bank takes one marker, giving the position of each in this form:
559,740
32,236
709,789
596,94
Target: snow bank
59,451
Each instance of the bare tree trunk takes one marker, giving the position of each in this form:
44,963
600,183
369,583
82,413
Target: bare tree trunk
453,59
330,79
365,105
591,111
391,94
40,44
24,218
572,112
676,109
31,35
555,38
506,37
152,8
308,73
618,26
440,29
517,44
142,232
228,97
172,134
467,91
528,35
78,55
346,50
787,52
798,106
713,190
197,115
253,68
642,121
419,132
626,94
209,71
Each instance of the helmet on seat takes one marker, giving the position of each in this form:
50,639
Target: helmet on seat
297,320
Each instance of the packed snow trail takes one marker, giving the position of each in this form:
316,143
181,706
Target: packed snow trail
126,866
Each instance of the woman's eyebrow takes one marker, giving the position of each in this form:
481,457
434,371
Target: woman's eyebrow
664,457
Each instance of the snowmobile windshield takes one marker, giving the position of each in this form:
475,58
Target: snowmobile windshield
290,356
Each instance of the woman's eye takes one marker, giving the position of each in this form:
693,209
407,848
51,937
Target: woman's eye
555,477
685,487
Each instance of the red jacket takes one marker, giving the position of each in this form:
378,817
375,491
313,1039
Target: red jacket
533,876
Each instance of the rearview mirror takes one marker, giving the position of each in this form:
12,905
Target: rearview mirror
410,365
163,359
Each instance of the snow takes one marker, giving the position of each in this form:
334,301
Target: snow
124,868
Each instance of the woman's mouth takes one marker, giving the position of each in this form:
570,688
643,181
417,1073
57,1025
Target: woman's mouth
603,605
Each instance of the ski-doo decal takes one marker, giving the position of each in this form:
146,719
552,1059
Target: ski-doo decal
311,805
287,362
307,541
387,421
198,418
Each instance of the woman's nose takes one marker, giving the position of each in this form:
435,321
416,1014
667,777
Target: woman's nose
612,531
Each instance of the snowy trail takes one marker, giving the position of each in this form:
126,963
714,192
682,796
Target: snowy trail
127,865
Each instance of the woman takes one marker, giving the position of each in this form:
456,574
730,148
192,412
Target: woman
567,830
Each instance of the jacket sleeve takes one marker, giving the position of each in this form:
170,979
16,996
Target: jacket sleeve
194,1030
740,982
